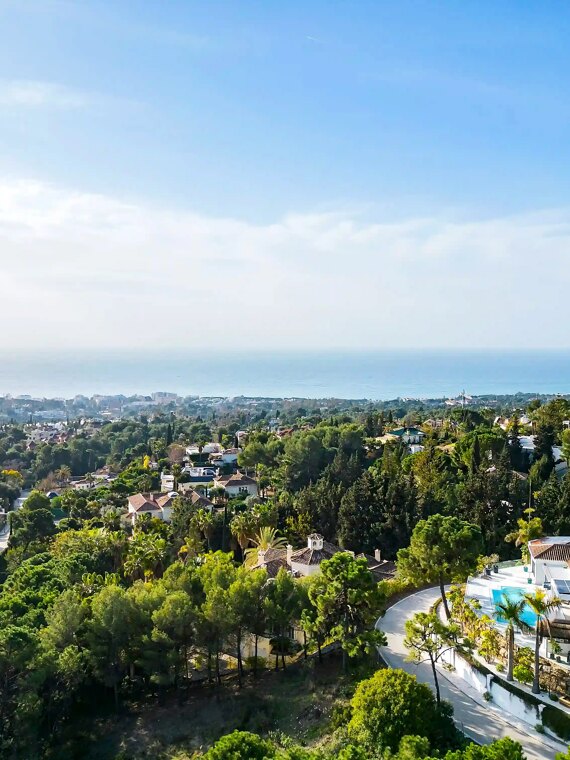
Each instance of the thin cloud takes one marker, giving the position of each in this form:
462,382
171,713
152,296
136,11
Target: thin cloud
28,94
36,94
80,267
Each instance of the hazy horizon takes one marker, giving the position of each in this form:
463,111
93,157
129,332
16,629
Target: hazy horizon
304,374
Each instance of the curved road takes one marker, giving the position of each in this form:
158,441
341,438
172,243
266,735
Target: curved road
477,721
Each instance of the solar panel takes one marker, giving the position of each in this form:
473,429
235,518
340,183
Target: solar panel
563,587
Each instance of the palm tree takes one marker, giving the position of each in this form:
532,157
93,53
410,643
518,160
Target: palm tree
154,556
207,524
62,474
242,527
542,606
510,611
266,538
526,531
191,547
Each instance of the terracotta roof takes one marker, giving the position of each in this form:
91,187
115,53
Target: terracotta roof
308,556
148,502
381,569
141,502
273,561
164,500
239,479
549,550
198,500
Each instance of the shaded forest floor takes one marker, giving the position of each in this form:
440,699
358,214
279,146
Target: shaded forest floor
296,703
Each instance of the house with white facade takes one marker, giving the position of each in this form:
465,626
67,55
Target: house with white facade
227,457
167,482
408,434
307,560
550,564
154,504
238,484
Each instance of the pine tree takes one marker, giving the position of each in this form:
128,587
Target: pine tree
475,455
514,445
543,443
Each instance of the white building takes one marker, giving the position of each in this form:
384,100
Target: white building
549,564
227,457
156,505
166,482
238,485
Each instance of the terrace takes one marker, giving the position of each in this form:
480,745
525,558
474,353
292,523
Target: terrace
513,580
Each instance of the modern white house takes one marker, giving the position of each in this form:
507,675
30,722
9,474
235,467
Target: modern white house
227,457
549,564
166,482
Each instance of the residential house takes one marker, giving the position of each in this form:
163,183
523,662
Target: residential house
408,434
549,563
307,560
238,484
226,457
528,447
83,483
208,448
197,499
167,482
200,474
154,504
381,569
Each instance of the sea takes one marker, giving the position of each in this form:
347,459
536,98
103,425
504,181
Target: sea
376,375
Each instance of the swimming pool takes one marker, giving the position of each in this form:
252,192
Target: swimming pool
514,593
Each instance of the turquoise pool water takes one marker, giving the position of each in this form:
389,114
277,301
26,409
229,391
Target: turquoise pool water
514,592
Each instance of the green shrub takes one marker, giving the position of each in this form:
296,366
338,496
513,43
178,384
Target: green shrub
556,721
249,663
524,656
500,667
340,716
540,728
523,673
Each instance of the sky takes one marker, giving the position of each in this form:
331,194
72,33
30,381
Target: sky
300,175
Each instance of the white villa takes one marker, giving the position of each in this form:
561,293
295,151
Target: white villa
548,569
237,485
550,564
153,504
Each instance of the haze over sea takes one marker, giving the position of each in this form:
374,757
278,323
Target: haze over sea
346,374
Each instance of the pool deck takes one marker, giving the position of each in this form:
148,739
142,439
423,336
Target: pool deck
481,587
514,576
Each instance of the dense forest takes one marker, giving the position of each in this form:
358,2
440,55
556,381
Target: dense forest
94,611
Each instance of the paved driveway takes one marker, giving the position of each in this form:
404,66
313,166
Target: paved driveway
477,721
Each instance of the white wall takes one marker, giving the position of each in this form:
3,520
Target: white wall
501,697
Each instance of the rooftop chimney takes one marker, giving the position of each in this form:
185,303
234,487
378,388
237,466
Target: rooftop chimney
377,555
315,542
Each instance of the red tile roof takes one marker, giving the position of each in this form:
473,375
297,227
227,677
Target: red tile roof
540,549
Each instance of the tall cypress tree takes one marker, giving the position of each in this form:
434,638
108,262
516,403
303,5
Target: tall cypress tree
515,448
475,455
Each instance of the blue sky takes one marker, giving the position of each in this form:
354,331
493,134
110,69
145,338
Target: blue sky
298,160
